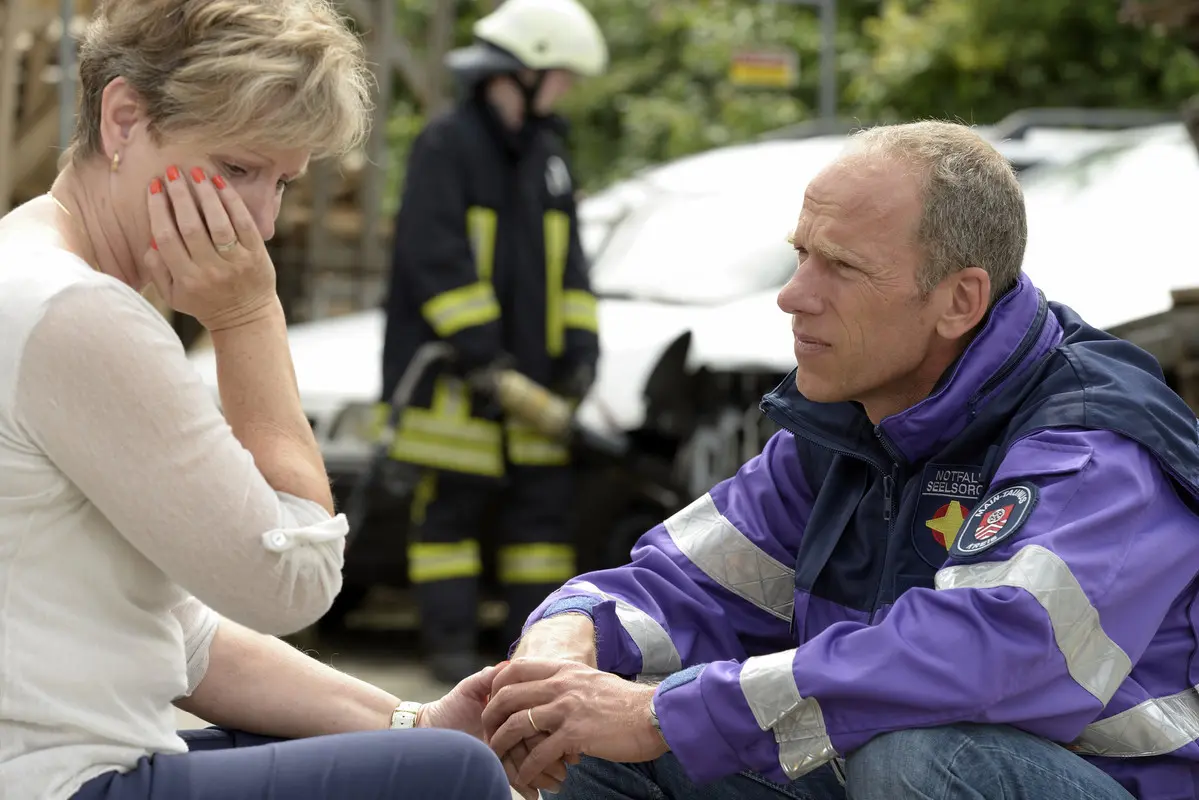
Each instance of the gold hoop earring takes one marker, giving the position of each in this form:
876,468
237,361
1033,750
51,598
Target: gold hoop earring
116,161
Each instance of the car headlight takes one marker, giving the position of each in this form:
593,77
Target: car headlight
357,422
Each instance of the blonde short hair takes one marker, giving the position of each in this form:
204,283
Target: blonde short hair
973,212
276,73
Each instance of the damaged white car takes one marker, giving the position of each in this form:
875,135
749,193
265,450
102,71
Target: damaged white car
686,261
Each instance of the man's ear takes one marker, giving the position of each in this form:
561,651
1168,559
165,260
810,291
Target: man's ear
969,296
122,115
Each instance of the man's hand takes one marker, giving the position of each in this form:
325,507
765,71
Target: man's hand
551,780
575,709
569,636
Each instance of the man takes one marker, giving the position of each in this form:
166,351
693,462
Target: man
965,568
487,258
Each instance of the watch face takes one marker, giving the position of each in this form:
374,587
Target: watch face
405,715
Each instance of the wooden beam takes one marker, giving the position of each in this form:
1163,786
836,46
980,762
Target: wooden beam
37,91
316,254
440,40
10,75
370,189
359,10
37,144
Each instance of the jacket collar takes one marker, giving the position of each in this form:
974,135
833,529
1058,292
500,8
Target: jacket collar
515,144
1019,331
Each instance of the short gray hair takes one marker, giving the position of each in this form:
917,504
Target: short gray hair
973,205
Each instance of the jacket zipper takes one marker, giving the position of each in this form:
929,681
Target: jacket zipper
887,486
890,481
783,419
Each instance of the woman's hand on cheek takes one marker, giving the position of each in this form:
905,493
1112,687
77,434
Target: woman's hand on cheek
207,258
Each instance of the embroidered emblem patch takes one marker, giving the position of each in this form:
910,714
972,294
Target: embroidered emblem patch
996,518
948,492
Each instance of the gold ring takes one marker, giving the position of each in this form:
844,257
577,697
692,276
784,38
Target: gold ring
529,711
225,248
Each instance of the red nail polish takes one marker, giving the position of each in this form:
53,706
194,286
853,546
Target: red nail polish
218,181
197,175
172,174
154,244
155,186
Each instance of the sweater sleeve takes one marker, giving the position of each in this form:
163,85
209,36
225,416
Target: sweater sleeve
105,391
198,623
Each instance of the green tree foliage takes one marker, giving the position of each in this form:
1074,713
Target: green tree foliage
667,92
978,60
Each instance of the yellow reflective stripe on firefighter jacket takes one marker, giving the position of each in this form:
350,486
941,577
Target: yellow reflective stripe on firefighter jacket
486,257
539,563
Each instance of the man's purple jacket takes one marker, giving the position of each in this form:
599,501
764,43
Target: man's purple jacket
1019,548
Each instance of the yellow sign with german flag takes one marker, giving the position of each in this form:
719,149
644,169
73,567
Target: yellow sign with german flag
777,69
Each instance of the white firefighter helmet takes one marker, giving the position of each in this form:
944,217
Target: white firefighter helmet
536,35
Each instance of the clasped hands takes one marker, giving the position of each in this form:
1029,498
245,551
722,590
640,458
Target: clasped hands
543,714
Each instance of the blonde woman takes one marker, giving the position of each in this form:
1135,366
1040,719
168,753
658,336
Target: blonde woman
149,545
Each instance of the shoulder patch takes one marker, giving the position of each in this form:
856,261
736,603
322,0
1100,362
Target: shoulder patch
948,493
995,519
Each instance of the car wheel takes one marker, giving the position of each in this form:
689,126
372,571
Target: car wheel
625,532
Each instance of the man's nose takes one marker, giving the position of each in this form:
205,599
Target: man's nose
801,294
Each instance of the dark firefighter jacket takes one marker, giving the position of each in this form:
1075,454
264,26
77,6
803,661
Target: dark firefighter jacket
487,257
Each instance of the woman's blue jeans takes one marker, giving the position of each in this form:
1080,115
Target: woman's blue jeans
373,765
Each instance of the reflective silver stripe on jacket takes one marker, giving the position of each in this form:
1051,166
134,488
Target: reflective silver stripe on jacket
1094,661
1152,728
797,723
727,556
658,654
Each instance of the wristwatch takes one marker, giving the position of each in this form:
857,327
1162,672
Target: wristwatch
653,718
405,715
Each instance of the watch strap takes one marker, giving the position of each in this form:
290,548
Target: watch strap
404,715
653,718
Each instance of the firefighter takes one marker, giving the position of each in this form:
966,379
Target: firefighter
487,257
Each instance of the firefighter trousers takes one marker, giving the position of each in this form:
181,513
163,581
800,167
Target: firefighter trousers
529,515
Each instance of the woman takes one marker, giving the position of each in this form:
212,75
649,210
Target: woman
132,513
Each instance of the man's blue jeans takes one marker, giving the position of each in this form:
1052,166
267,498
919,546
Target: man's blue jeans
959,762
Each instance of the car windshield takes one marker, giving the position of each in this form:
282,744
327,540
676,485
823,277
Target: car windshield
1109,166
1122,211
693,250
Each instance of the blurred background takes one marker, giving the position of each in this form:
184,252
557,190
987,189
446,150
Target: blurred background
691,155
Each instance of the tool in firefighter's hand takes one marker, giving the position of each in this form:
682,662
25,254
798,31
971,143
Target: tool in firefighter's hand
524,399
533,404
396,478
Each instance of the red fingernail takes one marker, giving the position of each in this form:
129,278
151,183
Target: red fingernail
154,244
155,186
172,174
197,175
218,181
